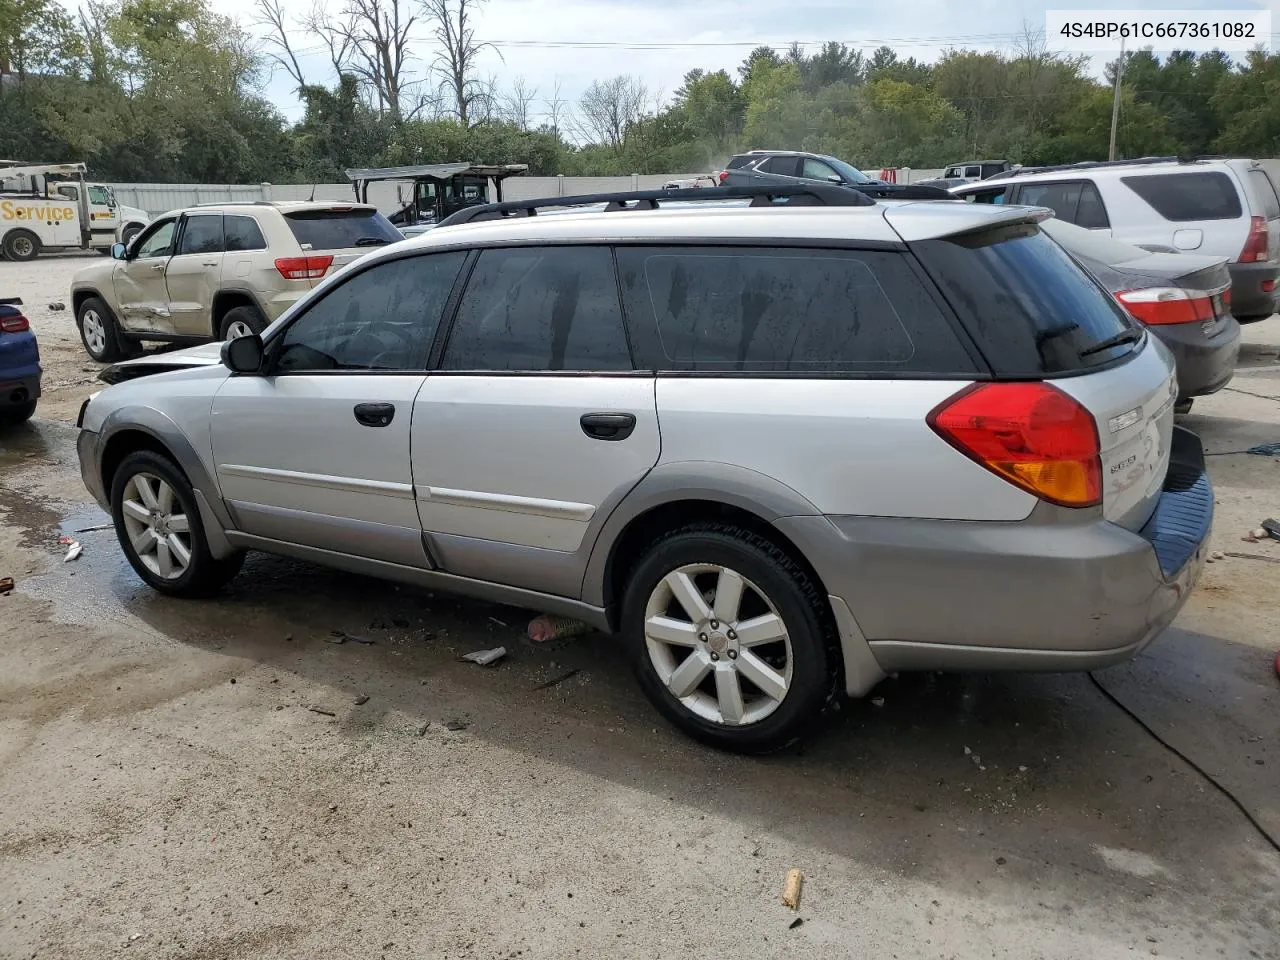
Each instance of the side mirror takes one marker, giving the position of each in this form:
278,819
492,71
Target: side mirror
834,179
243,354
118,251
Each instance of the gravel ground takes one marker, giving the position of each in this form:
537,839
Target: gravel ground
205,780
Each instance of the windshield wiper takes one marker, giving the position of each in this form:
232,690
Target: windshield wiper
1124,336
371,242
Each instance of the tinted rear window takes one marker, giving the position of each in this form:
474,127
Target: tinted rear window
1184,197
1266,192
341,229
1028,305
763,309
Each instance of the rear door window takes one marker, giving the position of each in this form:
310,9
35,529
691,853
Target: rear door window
1266,192
784,310
243,233
783,166
201,233
1031,309
1188,197
1061,197
540,309
341,229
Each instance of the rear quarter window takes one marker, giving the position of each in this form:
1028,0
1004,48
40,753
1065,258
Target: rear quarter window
718,309
341,229
1266,194
1187,197
1029,306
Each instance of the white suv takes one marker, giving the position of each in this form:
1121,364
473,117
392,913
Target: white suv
1226,208
216,271
779,450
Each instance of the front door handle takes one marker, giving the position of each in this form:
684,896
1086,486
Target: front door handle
608,426
157,266
375,414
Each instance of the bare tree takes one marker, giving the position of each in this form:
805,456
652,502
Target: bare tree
557,108
609,107
370,38
334,33
516,104
271,17
455,64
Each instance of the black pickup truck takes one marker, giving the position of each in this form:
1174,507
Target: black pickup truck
794,166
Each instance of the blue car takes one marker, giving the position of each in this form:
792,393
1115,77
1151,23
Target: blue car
19,364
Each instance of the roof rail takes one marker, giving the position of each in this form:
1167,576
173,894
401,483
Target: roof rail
820,195
1096,164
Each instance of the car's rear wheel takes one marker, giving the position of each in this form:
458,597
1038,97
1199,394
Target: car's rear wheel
21,245
1256,318
241,322
728,637
20,413
99,332
159,528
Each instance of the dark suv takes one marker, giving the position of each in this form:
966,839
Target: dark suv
794,167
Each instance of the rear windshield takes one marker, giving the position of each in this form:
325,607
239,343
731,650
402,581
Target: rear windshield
1266,192
341,229
1186,197
1031,309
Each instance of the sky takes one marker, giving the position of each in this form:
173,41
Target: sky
659,40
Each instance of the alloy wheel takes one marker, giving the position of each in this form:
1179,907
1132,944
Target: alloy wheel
238,329
718,644
160,536
95,332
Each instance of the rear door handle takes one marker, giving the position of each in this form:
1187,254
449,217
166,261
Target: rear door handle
375,414
608,426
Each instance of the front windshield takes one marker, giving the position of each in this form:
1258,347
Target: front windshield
848,172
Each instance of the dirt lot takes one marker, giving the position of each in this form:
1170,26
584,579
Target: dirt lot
197,780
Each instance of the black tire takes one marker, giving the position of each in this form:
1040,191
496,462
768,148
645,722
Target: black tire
794,595
251,317
128,233
21,245
110,346
12,416
204,575
1257,318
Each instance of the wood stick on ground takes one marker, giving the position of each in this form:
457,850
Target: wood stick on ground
791,890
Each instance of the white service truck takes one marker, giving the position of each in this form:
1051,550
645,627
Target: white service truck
46,206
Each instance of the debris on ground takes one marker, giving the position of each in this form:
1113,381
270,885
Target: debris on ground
98,528
456,725
795,923
361,700
1271,528
73,551
485,657
877,701
497,621
57,306
791,889
322,712
424,728
6,584
1265,450
556,681
546,627
341,636
1253,556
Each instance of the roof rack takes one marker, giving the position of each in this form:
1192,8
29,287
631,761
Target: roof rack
1096,164
812,195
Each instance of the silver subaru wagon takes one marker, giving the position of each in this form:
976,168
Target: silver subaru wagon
780,444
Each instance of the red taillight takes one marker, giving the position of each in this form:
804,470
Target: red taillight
1031,434
14,324
1255,247
1162,305
1268,286
304,268
724,175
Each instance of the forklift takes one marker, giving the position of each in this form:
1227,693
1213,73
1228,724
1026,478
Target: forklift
438,189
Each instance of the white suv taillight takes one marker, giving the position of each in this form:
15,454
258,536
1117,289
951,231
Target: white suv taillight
304,268
1255,247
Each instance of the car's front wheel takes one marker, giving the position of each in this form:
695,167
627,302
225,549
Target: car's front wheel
728,637
159,528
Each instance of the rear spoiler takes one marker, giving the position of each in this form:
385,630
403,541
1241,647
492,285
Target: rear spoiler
10,301
956,219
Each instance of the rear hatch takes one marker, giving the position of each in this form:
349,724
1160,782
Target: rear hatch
1035,315
332,237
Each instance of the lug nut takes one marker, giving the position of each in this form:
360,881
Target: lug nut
714,655
732,635
715,624
733,654
702,637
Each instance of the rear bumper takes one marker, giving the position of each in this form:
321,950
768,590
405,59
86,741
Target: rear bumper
18,390
1058,591
1249,301
1205,364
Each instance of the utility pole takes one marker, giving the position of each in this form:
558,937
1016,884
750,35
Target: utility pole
1115,103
